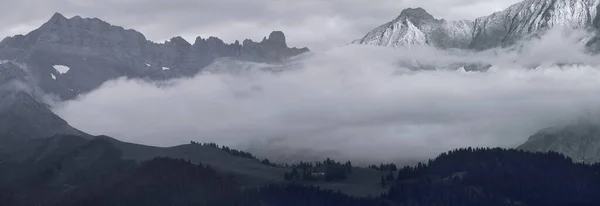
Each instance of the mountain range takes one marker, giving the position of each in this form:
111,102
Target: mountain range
68,57
529,18
45,161
65,58
518,23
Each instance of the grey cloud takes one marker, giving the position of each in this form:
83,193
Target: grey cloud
317,24
353,102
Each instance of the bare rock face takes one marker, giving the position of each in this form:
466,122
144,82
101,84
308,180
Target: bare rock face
95,51
277,39
10,72
580,142
500,29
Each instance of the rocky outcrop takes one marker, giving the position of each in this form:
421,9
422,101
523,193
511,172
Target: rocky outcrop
96,51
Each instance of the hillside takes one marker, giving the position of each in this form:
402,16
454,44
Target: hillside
581,142
95,175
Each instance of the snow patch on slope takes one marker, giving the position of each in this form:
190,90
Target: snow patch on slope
62,69
409,31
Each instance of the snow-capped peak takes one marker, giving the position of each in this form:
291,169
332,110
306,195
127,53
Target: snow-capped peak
502,28
415,26
61,69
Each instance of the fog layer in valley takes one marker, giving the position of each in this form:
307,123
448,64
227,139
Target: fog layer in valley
355,102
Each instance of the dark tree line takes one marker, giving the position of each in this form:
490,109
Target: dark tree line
238,153
384,167
297,195
483,176
230,151
387,179
328,170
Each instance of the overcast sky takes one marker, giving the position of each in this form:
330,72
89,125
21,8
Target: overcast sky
317,24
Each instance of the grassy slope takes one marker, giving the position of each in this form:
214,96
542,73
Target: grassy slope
250,172
362,181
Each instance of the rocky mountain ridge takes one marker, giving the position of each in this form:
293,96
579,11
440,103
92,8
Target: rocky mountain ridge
94,51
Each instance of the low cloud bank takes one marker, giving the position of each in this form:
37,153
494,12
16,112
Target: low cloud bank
355,102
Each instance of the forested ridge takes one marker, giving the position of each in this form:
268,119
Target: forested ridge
484,176
462,177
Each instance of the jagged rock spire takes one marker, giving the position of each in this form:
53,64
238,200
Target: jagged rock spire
277,38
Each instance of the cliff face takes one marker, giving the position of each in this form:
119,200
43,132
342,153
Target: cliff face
93,51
